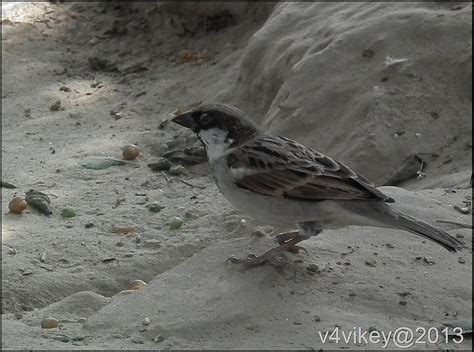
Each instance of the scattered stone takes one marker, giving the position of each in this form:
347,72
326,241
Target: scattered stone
56,106
68,212
177,170
108,260
138,239
434,115
82,320
258,233
161,165
458,235
27,112
158,339
99,64
402,303
461,260
89,225
389,245
130,152
417,134
176,223
368,53
43,256
38,200
316,318
120,244
122,230
313,268
5,184
137,339
155,207
370,262
152,243
404,294
188,156
352,294
457,7
135,68
12,251
146,321
462,210
137,285
17,205
49,323
64,89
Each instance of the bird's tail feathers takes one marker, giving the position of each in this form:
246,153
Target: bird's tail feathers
428,231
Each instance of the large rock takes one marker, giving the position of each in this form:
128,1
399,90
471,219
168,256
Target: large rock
318,72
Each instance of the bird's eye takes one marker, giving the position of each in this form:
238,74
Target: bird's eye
205,119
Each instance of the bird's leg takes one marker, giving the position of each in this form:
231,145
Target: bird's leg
287,240
284,237
252,260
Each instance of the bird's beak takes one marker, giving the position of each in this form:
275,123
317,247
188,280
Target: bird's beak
186,120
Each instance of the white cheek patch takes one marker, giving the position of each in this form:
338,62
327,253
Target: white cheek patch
216,143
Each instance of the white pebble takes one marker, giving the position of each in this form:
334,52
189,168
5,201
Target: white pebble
146,321
417,135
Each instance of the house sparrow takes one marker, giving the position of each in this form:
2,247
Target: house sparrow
280,181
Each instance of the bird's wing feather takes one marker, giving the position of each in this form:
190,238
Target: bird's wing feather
280,167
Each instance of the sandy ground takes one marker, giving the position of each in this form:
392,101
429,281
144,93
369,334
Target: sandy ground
76,269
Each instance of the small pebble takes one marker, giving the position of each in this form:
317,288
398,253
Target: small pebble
155,207
56,106
137,285
316,318
152,243
402,303
389,245
314,268
160,165
49,323
461,261
417,134
176,223
258,233
137,339
146,321
352,294
68,212
89,225
158,339
177,170
81,320
12,251
120,244
370,262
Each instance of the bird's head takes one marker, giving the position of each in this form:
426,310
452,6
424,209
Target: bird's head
220,127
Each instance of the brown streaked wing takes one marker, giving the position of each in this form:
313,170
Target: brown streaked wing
284,168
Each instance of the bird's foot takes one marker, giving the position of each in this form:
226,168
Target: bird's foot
269,256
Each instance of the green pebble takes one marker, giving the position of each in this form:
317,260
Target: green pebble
68,212
176,223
